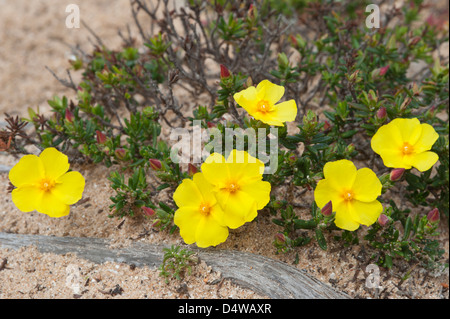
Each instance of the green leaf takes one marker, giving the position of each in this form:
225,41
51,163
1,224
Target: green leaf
408,227
387,261
321,239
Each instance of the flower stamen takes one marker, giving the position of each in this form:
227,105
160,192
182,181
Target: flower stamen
348,196
407,148
46,184
263,106
205,209
232,187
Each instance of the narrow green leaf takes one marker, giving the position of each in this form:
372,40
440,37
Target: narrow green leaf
321,239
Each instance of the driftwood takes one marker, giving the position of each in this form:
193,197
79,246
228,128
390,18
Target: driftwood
263,275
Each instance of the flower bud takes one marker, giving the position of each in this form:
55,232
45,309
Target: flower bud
251,12
327,210
383,220
120,153
224,72
350,148
277,204
381,113
101,138
384,69
156,223
155,164
293,40
396,174
148,211
279,238
433,216
414,41
69,116
292,158
192,169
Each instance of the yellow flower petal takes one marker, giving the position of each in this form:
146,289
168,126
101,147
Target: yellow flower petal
259,191
410,129
341,174
367,212
270,91
55,162
210,233
247,99
205,188
187,219
241,165
395,159
367,187
187,194
69,187
345,217
52,206
388,138
26,198
427,139
424,161
28,171
215,171
285,111
267,118
324,192
239,207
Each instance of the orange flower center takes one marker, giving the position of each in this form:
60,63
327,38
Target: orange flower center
407,148
263,106
232,187
46,184
348,196
205,209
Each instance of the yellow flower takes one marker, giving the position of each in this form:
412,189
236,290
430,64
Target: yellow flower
43,184
238,185
260,102
353,194
405,143
199,217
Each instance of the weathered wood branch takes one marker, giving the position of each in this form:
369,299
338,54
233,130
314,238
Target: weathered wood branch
263,275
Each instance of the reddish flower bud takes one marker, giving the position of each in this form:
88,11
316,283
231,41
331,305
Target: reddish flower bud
279,238
148,211
327,210
326,126
155,164
277,204
224,72
210,124
396,174
384,69
414,41
383,220
192,169
69,116
251,11
101,138
293,40
120,153
433,216
381,113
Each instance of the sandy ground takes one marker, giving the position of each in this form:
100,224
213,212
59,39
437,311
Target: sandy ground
33,35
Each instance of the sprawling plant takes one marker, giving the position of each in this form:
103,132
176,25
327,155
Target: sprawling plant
226,65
